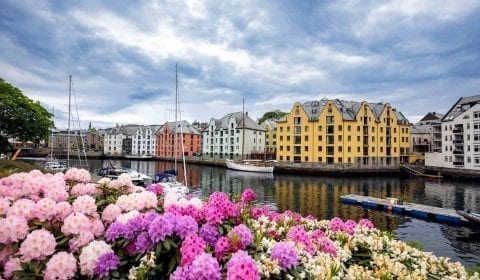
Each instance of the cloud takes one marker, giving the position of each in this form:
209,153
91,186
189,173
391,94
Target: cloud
122,56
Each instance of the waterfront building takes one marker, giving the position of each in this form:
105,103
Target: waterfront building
270,126
118,140
338,132
143,140
427,134
460,137
94,139
185,132
224,138
60,140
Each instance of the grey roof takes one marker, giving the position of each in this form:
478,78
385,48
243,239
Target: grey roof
270,124
249,122
349,109
463,104
182,127
421,129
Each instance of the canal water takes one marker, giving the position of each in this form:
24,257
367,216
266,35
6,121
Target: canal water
320,196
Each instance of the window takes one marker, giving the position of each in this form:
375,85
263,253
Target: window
281,138
281,148
358,138
358,128
320,128
306,138
319,159
330,129
297,150
446,158
476,137
281,129
330,139
477,160
349,128
373,129
288,129
329,119
305,148
349,138
358,149
339,128
297,130
281,157
476,126
319,137
340,138
288,148
476,114
288,138
349,149
296,120
306,159
476,148
319,148
297,139
340,160
306,129
339,149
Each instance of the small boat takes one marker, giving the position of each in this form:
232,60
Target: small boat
168,181
138,156
251,165
474,218
55,166
113,172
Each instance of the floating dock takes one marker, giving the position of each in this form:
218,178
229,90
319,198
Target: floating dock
442,215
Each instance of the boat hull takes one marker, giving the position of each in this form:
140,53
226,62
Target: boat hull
249,167
472,217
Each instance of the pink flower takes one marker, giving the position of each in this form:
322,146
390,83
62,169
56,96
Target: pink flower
84,204
336,224
61,266
242,266
80,240
38,245
83,189
192,246
77,175
57,193
63,209
10,267
13,229
4,205
248,196
75,223
22,207
222,247
90,254
45,209
365,223
111,212
97,227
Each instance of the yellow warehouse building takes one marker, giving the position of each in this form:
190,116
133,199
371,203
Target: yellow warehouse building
338,132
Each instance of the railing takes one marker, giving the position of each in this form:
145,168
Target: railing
460,141
458,152
458,163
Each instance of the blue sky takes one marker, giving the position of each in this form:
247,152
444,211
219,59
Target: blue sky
419,56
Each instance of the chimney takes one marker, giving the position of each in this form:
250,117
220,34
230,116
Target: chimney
246,113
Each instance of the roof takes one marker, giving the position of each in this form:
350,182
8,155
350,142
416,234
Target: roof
421,129
462,105
222,123
182,126
348,109
432,116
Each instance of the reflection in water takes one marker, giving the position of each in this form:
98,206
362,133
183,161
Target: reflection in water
320,196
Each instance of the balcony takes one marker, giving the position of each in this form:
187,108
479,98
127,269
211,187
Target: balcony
458,152
458,163
457,130
458,141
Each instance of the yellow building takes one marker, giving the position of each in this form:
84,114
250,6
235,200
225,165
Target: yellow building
270,126
343,133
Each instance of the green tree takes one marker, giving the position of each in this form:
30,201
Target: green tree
275,114
21,117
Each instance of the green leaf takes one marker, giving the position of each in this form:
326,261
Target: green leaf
172,264
115,274
166,245
158,250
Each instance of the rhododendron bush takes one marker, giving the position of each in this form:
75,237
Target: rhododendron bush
63,226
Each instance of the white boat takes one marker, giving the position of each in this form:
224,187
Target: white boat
138,156
113,172
168,181
55,166
251,166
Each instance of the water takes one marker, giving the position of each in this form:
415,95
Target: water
320,196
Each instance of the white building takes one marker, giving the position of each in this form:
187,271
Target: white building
143,140
118,140
223,138
460,137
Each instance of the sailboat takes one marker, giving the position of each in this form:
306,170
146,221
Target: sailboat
51,163
249,165
168,179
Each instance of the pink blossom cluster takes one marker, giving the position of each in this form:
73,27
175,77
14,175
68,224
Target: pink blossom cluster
33,185
219,208
84,204
38,245
192,246
77,175
123,181
62,265
84,189
137,201
90,254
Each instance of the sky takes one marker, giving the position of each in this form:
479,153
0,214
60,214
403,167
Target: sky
419,56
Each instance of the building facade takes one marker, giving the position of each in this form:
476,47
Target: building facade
270,127
343,132
144,141
185,132
460,136
118,140
234,135
427,134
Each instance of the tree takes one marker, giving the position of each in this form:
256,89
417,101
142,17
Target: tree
21,117
276,114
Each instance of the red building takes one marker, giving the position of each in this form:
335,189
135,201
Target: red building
184,131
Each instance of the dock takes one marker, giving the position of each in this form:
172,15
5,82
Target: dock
420,211
418,173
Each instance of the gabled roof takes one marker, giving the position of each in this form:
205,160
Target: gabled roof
462,105
222,123
180,127
432,116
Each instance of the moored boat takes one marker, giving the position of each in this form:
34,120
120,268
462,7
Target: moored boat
113,172
474,218
251,165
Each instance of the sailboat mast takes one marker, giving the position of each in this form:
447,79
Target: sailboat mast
51,147
243,129
175,124
69,117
